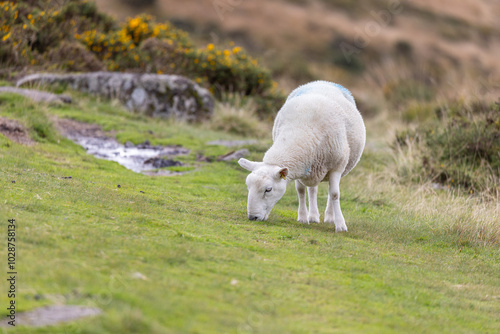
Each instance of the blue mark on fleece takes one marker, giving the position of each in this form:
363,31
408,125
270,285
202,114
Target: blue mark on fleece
304,89
308,170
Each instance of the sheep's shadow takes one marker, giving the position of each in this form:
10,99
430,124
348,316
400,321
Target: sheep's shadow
285,222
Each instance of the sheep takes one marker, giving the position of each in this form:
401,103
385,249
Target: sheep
318,135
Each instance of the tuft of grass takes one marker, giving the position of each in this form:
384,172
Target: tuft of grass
238,115
36,120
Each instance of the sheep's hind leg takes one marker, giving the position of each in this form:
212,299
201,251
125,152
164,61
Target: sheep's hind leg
301,192
333,214
313,216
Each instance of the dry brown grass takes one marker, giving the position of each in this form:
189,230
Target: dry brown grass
238,115
471,220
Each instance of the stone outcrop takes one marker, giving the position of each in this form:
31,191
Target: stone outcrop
152,94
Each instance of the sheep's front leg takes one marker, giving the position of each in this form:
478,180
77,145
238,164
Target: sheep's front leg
313,216
301,192
333,214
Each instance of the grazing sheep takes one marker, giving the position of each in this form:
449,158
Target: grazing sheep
318,135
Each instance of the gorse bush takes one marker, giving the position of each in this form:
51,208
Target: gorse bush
74,36
31,28
460,148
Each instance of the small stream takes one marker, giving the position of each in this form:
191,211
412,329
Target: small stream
140,158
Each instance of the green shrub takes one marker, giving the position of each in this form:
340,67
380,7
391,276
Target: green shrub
460,148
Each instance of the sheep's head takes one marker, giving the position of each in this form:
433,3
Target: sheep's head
266,185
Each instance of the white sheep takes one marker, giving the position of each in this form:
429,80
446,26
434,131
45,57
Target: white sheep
318,135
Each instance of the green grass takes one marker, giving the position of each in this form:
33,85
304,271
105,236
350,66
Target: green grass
208,268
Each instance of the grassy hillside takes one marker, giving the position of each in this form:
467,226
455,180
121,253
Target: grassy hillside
177,254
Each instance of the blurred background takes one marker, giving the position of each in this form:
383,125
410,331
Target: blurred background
442,47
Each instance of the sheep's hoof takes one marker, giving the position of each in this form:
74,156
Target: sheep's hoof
342,228
303,220
313,219
329,220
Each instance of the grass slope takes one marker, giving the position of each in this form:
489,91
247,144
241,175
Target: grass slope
204,268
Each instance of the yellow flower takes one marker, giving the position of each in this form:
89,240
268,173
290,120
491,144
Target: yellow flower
159,72
227,53
198,80
236,49
30,16
172,65
133,23
196,61
4,38
210,47
136,58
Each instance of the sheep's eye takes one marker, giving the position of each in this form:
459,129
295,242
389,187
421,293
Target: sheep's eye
268,189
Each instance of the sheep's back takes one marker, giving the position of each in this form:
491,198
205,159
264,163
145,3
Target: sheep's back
319,123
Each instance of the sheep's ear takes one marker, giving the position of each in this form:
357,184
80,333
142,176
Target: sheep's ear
283,172
249,165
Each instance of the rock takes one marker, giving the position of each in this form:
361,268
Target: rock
200,157
233,155
152,94
52,315
37,95
138,275
162,163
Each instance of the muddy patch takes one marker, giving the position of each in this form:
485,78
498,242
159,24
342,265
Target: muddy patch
142,158
15,131
51,315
